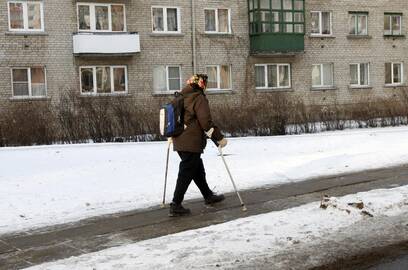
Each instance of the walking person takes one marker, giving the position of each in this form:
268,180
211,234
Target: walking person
198,126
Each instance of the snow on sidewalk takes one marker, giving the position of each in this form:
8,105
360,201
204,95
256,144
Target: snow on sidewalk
47,185
241,240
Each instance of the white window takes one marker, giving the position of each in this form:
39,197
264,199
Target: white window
322,75
217,20
272,76
358,24
394,73
166,20
29,82
360,74
26,16
103,79
166,78
219,77
393,24
321,23
101,17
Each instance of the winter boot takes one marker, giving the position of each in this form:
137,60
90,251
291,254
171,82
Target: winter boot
177,210
214,198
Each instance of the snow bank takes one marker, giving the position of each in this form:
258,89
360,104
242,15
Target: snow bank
243,239
48,185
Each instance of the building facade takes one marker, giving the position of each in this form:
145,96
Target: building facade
320,51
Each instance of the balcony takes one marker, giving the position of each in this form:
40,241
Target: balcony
106,44
276,27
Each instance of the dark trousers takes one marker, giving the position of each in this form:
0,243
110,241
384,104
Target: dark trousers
191,168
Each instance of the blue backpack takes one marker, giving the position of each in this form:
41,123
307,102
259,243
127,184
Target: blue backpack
172,117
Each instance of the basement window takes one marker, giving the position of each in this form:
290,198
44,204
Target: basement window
100,80
29,82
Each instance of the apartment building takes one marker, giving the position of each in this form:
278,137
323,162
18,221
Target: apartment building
321,51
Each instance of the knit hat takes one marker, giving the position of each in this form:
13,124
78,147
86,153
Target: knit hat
198,80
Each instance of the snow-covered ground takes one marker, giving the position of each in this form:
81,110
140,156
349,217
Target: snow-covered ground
236,242
48,185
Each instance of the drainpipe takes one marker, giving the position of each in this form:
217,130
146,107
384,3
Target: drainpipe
193,30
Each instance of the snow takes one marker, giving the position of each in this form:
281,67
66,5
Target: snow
47,185
244,239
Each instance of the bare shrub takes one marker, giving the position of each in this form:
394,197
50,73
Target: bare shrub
28,123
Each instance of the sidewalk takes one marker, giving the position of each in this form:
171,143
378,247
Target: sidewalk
52,243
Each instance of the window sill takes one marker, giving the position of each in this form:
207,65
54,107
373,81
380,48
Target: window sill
29,98
268,90
395,36
26,33
323,88
104,95
224,35
322,36
395,86
360,87
164,93
218,91
359,37
167,34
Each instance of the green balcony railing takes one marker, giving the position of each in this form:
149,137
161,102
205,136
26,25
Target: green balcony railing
276,26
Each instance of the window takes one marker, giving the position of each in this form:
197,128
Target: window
166,19
29,82
360,74
272,76
393,24
394,73
276,16
322,75
219,77
103,79
321,23
101,17
358,24
166,78
217,20
26,16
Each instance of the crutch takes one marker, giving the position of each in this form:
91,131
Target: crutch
169,141
232,180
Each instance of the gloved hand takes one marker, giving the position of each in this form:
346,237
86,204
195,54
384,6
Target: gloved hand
222,143
170,140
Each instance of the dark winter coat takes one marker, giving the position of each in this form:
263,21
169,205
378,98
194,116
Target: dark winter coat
197,120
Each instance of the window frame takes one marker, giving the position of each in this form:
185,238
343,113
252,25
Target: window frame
320,34
322,85
112,79
265,66
357,15
392,74
359,75
25,15
30,94
217,21
165,26
219,78
93,17
391,30
168,91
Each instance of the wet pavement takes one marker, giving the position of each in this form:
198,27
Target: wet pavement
57,242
